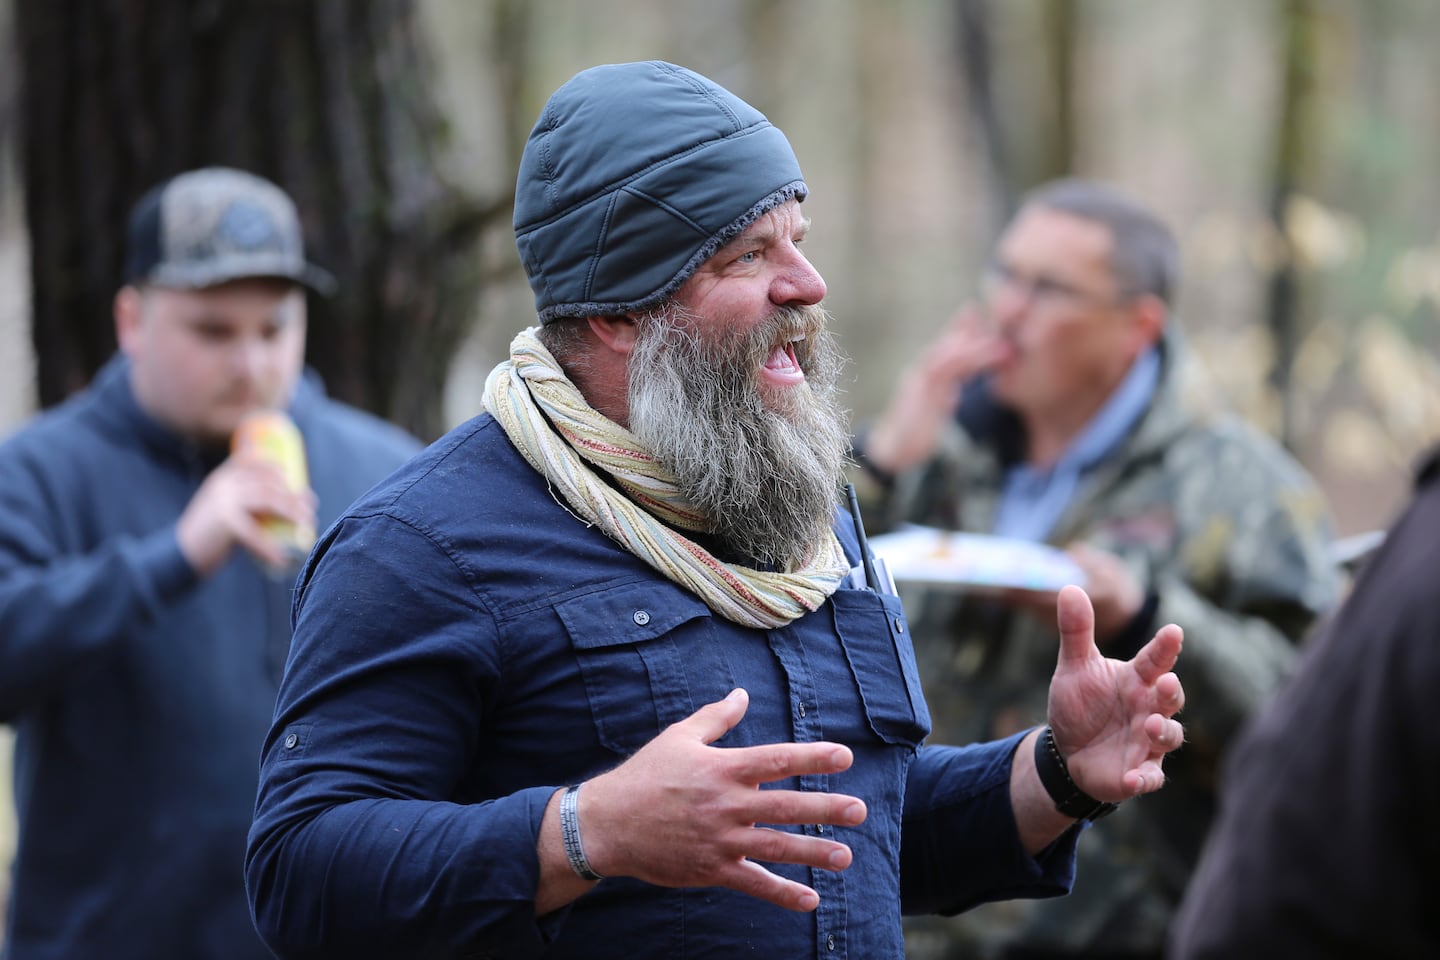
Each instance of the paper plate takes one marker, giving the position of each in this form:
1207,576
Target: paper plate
927,555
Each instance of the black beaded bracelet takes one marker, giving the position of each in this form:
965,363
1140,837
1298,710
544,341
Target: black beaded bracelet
1055,775
570,833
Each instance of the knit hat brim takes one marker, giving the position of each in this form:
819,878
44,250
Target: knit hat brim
606,227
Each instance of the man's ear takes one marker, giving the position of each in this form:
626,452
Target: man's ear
127,310
1148,313
617,333
602,373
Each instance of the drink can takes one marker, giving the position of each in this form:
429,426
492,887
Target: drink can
274,437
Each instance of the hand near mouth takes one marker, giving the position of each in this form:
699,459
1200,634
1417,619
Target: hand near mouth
929,391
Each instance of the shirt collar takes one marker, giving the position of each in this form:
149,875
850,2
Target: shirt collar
1121,411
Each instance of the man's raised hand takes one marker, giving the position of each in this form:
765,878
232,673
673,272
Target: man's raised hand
1113,720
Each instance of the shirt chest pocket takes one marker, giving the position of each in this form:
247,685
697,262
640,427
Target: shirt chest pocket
876,642
647,657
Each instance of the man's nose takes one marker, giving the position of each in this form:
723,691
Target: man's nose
249,359
798,283
1008,302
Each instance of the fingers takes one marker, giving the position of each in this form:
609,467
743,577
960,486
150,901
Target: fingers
708,822
755,880
776,761
1169,695
974,323
714,720
227,508
795,807
768,762
252,493
1165,734
264,545
1158,657
1146,778
259,487
966,348
1076,619
775,846
780,761
967,319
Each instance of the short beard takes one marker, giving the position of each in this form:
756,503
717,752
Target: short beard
763,464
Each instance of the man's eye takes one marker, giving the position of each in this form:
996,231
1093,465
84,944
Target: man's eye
1056,289
748,256
1046,287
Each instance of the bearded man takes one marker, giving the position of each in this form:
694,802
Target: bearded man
599,674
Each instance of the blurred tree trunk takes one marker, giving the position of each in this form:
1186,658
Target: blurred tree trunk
510,30
330,99
1294,142
1059,24
1024,112
975,62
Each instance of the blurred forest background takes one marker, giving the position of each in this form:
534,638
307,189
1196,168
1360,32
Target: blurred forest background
1293,145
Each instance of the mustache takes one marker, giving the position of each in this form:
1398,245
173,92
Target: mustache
731,353
798,325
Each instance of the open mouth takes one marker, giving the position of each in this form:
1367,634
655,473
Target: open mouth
782,367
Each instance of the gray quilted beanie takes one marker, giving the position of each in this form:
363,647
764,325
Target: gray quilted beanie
634,175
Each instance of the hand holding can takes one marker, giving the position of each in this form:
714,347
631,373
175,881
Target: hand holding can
272,436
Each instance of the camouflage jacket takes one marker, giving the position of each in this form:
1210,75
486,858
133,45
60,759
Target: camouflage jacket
1229,536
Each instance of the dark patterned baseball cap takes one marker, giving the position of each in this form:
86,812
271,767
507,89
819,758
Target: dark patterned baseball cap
213,225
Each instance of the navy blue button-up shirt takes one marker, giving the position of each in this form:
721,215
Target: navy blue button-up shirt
464,646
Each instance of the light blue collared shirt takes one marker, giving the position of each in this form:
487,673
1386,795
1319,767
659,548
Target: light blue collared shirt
1033,498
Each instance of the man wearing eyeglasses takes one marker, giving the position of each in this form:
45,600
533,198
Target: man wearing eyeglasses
1063,408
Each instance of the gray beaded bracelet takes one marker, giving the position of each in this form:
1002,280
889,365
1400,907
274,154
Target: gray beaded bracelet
570,832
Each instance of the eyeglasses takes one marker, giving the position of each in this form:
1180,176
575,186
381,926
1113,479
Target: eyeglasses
1042,290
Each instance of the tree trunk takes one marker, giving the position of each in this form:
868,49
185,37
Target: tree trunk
1298,28
328,98
510,55
1024,112
1060,26
975,63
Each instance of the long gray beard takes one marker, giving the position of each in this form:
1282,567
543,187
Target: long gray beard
764,464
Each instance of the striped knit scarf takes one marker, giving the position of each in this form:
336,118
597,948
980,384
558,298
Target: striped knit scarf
570,443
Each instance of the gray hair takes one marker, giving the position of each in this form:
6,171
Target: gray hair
1146,258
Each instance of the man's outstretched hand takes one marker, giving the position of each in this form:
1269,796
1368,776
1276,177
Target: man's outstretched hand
1113,719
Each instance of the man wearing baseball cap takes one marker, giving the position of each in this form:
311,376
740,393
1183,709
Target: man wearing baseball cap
605,673
144,600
